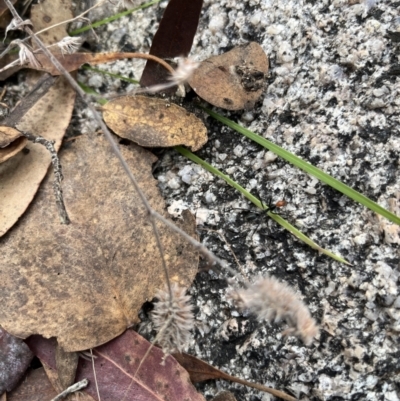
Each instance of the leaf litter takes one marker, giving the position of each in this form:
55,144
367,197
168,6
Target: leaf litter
21,175
251,80
46,112
84,283
125,370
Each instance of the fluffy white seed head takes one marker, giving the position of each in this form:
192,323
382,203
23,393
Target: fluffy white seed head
69,44
274,301
184,71
14,24
26,54
173,319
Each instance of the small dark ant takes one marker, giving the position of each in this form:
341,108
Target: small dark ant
269,207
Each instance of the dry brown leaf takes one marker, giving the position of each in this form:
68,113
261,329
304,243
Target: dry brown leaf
153,122
35,387
84,283
43,15
234,80
11,142
21,175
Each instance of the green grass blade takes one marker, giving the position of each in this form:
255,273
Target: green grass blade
308,168
110,74
278,219
113,18
90,91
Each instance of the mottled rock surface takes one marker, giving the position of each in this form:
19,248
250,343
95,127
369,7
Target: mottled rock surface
333,98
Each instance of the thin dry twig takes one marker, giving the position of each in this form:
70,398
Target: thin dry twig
58,175
218,232
71,389
94,374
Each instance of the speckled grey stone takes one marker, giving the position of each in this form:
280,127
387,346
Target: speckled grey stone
333,98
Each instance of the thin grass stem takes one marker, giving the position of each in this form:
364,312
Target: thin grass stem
278,219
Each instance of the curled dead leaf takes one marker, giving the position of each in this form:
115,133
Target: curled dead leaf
174,38
11,142
153,122
234,80
8,135
66,363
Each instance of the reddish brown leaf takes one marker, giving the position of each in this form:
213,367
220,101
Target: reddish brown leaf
200,371
15,357
116,363
173,38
